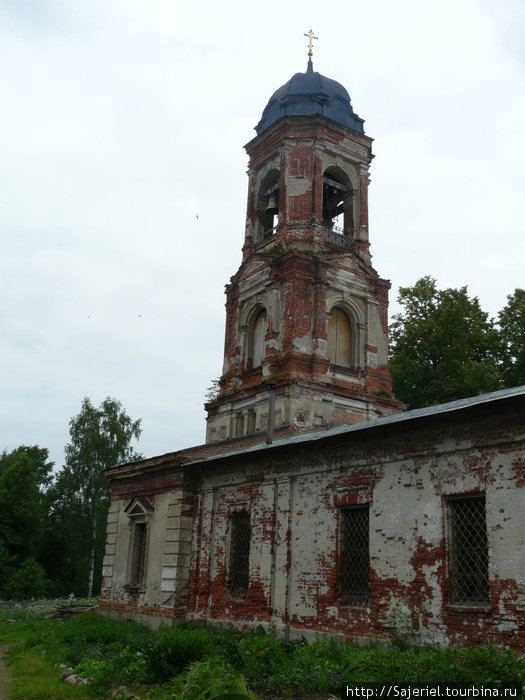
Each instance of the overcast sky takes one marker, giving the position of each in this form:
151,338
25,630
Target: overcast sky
123,180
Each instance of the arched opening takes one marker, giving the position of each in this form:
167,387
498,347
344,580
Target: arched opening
337,200
339,338
257,335
268,204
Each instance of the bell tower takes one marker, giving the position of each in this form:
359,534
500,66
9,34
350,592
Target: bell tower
306,314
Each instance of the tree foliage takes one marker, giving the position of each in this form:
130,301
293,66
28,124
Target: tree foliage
24,477
52,530
443,346
511,322
25,474
27,581
213,391
100,437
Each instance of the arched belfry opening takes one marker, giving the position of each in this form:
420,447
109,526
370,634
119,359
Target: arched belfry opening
338,214
268,204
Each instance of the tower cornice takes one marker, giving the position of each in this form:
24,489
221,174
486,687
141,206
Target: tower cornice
314,126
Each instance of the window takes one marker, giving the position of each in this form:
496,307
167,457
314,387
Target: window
239,425
468,550
139,511
138,554
339,336
239,552
258,333
250,423
354,556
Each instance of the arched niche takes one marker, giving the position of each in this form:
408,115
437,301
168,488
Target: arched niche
257,327
343,336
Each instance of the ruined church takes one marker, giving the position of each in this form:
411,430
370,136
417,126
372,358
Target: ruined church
317,503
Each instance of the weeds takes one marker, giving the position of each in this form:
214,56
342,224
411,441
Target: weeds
187,662
172,649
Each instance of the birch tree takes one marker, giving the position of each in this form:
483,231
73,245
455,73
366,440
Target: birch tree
99,438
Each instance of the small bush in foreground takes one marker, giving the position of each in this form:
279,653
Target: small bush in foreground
111,666
172,649
210,679
262,656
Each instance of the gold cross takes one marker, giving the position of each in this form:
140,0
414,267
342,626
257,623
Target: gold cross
311,36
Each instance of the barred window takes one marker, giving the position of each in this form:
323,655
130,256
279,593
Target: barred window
239,552
468,550
354,556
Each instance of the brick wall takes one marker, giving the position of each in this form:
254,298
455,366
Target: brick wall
405,473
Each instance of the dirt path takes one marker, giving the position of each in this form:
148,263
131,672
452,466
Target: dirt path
3,673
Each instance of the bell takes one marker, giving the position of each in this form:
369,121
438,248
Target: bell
273,205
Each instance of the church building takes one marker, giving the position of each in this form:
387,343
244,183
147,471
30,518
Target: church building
317,503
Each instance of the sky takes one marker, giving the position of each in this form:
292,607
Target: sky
123,181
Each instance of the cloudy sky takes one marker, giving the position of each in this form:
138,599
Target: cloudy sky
123,185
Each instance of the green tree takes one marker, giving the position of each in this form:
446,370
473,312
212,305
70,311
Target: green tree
25,474
100,437
7,568
511,322
28,581
443,346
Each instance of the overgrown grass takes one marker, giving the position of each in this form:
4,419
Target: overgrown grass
187,661
32,677
326,665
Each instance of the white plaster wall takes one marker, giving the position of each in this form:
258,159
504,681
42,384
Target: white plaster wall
157,524
407,517
157,536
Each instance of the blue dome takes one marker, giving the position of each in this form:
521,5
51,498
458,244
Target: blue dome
310,93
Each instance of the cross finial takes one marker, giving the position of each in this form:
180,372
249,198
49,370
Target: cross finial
310,45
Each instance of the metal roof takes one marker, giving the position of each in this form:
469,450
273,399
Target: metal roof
414,414
306,94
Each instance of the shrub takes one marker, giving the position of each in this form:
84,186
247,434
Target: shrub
226,643
321,666
262,656
485,665
174,648
211,679
28,581
111,666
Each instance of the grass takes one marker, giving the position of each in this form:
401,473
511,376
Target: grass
33,677
190,662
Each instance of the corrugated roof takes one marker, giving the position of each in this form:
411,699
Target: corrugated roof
371,424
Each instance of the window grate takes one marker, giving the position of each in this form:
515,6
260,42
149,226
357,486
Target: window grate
354,555
240,553
469,579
